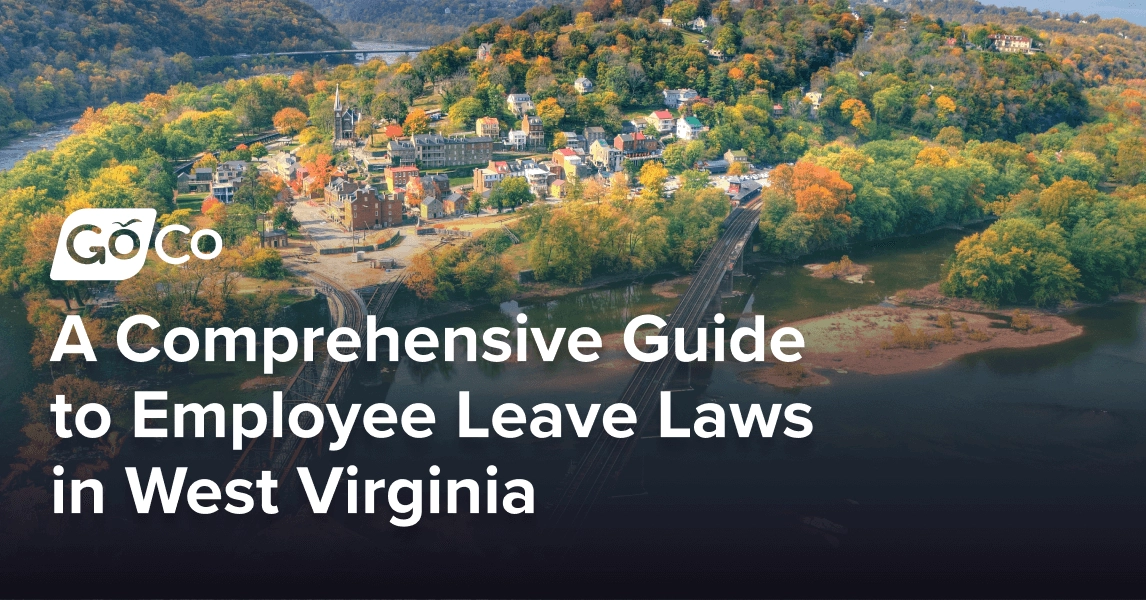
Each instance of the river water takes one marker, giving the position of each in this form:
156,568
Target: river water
982,461
17,148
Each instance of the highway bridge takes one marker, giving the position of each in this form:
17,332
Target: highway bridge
355,52
607,455
321,381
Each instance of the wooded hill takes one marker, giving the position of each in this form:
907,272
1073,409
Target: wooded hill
419,21
61,55
1101,49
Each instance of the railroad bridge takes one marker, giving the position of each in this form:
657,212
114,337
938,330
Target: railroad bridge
321,381
607,455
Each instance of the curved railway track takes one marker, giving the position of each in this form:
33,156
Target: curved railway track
321,381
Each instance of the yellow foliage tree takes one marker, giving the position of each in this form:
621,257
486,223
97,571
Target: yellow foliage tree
857,111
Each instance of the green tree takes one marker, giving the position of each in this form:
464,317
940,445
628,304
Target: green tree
510,192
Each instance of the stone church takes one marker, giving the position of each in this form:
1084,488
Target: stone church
344,121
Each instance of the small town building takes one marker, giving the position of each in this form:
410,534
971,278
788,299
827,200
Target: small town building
401,152
557,188
362,210
454,204
488,127
432,209
436,185
715,166
662,120
583,85
677,98
339,190
605,156
398,177
485,52
736,156
690,128
593,134
534,132
636,145
274,238
517,140
574,140
519,104
432,150
1017,44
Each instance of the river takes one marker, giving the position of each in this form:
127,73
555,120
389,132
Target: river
17,148
1006,449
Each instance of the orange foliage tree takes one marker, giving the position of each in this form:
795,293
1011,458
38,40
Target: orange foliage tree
821,198
289,121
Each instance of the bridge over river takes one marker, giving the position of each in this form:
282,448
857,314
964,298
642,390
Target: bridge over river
320,381
607,455
358,53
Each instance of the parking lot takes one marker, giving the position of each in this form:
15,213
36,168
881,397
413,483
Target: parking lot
321,233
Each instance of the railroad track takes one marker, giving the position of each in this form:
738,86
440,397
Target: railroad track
607,455
321,381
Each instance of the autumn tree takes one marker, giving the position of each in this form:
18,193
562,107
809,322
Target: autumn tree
857,112
289,121
551,113
806,209
416,122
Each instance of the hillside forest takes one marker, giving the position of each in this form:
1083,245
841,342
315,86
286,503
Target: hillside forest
62,56
418,21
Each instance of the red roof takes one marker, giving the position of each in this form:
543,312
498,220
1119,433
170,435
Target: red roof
662,114
567,152
638,136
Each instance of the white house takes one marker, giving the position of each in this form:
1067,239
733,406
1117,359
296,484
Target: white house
678,98
583,85
517,139
662,120
697,24
690,128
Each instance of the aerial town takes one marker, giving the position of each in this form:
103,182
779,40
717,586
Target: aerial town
388,186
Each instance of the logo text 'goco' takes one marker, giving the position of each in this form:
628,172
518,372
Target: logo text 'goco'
110,244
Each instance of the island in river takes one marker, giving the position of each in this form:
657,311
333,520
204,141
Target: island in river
885,340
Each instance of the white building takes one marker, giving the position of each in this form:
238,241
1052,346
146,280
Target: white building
677,98
583,85
690,128
517,139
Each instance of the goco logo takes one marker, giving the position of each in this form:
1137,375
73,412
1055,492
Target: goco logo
110,244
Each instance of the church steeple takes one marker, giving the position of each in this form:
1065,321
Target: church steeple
337,99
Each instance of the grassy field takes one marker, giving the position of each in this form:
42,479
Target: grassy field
192,201
518,257
463,175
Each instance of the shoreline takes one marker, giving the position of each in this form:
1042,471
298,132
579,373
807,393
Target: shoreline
536,291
